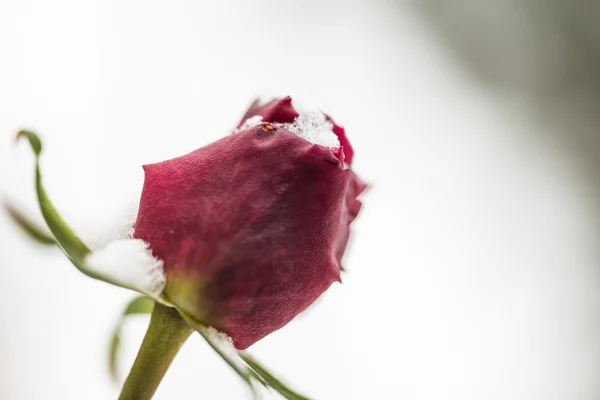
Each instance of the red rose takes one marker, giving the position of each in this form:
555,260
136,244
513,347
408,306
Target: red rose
252,228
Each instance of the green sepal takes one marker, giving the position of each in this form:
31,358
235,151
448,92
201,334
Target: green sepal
72,246
30,228
138,306
269,379
34,140
244,364
245,373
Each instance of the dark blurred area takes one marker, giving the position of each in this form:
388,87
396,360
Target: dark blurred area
543,54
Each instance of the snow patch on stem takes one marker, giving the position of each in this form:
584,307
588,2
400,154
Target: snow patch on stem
223,341
225,345
107,227
129,262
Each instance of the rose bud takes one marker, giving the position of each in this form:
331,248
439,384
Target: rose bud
252,228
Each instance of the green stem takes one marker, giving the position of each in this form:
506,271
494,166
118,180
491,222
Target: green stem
165,335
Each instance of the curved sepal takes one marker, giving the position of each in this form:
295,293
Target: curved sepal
73,247
241,362
226,351
269,379
30,228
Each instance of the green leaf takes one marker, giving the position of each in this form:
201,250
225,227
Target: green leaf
269,379
31,229
138,306
113,352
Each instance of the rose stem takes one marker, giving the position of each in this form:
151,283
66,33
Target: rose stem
165,335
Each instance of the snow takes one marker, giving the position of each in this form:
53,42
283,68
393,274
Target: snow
249,123
224,343
129,262
313,127
311,124
98,229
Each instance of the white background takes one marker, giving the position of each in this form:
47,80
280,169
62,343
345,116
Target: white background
473,271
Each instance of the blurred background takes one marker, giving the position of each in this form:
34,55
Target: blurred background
474,271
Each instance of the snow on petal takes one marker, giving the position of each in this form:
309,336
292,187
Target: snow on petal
249,123
313,127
